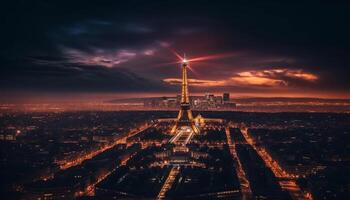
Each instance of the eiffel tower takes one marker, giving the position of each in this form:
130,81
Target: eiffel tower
185,117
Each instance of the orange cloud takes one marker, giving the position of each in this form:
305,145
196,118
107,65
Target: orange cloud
280,77
280,73
302,75
272,77
257,81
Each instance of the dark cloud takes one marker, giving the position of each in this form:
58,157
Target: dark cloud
123,45
61,76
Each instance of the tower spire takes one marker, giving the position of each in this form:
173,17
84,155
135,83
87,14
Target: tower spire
185,117
184,94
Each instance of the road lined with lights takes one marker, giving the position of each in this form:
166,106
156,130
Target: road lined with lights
183,136
168,182
90,189
288,181
244,183
67,164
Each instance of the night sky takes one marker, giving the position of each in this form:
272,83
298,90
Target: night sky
253,49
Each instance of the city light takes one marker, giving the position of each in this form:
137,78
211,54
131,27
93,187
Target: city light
170,100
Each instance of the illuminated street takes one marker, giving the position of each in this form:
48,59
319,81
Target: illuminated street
245,187
67,164
90,189
289,185
168,183
182,136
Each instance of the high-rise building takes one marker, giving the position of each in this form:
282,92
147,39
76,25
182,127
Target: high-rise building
226,97
209,97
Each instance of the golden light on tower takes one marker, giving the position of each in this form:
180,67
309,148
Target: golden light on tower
185,117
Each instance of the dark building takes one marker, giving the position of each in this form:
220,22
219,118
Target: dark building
226,97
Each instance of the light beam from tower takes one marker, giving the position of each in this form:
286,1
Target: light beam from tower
185,117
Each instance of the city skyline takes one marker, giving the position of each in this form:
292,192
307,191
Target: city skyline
174,100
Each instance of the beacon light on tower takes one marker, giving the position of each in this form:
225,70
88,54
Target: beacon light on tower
185,117
184,60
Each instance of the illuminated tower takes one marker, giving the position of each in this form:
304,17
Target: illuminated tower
185,117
